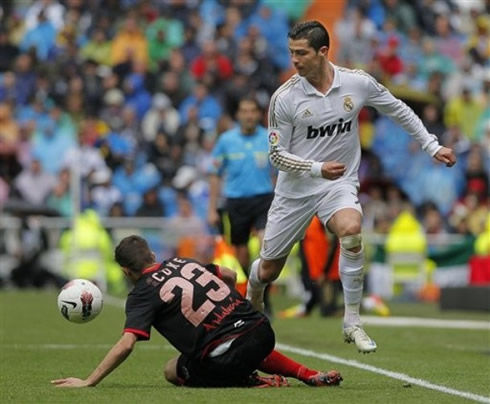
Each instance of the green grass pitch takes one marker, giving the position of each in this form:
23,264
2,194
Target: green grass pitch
37,344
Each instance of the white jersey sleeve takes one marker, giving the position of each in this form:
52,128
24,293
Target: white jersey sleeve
281,130
380,98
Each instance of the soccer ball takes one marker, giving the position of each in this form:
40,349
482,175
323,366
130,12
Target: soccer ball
80,301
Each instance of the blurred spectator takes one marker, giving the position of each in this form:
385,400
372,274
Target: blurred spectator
54,13
390,62
103,195
185,79
433,61
187,182
469,76
211,65
431,118
9,130
401,13
479,43
98,48
137,96
208,109
354,33
464,111
225,42
272,24
447,42
34,184
161,154
41,37
8,52
151,206
60,198
163,35
50,143
171,86
116,147
161,116
129,44
117,210
25,79
133,181
477,175
83,157
411,52
114,101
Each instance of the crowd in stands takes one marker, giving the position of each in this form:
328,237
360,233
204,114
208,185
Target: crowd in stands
132,94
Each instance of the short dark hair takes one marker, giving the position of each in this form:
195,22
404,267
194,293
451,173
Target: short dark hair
250,99
313,31
134,253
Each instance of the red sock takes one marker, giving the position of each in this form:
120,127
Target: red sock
277,363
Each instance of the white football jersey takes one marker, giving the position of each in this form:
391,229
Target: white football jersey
307,128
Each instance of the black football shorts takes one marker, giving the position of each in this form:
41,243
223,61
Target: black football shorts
232,368
246,214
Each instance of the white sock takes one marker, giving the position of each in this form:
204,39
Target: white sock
253,279
351,273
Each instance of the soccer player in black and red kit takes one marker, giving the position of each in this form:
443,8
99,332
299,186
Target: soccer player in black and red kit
221,338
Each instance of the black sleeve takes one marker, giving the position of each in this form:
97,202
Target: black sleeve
139,317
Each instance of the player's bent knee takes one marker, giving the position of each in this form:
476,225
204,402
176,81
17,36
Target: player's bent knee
351,243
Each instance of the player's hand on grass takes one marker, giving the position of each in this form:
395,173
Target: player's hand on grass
332,170
70,382
446,156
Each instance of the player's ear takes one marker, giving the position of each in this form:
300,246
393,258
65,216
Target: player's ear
323,50
126,271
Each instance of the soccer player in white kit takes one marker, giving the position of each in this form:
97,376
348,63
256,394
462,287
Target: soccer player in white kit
314,142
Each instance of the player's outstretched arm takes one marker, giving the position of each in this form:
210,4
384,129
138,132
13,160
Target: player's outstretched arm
446,156
113,359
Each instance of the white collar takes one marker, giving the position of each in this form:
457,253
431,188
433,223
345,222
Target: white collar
310,90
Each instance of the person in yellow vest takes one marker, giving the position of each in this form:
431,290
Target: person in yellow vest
482,242
88,253
480,262
406,248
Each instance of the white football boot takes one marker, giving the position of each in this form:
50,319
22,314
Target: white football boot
357,335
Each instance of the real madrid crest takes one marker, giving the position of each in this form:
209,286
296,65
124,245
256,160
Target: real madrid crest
348,104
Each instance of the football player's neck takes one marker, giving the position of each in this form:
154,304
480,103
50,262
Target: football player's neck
322,77
247,130
134,277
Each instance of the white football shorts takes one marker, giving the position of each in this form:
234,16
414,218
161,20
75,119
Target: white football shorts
289,218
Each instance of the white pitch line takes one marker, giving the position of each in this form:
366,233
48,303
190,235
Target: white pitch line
426,322
388,373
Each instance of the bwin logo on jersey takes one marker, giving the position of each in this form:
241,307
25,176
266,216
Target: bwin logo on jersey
329,130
